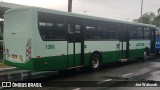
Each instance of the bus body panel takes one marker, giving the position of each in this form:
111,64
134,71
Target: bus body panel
136,48
17,32
109,50
61,54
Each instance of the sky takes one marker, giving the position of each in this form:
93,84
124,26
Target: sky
125,10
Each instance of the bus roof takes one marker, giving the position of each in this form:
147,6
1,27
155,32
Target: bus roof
38,9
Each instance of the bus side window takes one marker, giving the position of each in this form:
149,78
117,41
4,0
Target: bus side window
146,33
70,33
140,33
93,32
45,30
111,31
59,31
51,26
77,29
133,33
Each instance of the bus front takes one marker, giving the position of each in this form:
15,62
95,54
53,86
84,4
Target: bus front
17,38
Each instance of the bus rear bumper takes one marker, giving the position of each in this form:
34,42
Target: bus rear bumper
41,64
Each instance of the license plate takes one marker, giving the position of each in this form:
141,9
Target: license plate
14,56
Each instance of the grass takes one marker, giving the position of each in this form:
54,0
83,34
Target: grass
2,65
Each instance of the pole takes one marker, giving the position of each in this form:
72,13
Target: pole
69,5
141,10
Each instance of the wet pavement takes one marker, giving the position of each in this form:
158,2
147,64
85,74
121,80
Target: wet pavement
112,75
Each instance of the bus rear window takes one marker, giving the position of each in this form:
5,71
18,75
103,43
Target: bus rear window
17,21
51,27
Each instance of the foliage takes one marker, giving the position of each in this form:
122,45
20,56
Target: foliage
147,18
157,21
151,18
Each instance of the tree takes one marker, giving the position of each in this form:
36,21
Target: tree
157,20
147,18
151,18
159,11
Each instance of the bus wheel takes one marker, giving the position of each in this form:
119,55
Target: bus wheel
95,62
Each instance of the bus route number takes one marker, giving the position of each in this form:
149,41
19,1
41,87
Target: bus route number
50,46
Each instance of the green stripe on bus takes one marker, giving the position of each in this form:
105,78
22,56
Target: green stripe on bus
61,63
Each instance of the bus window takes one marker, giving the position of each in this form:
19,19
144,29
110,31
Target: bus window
77,29
45,30
140,33
93,32
74,33
146,33
133,33
111,32
50,27
59,32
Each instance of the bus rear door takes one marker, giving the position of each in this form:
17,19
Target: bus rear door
75,45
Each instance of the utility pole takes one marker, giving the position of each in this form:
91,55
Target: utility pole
141,11
69,5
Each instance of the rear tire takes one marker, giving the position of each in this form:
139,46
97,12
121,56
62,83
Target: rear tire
95,62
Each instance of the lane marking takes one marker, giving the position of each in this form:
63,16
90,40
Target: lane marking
127,74
104,81
76,88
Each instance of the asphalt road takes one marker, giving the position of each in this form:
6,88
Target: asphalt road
116,76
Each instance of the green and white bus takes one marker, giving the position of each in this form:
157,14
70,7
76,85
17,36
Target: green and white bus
43,39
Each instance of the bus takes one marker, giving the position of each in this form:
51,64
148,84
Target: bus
43,39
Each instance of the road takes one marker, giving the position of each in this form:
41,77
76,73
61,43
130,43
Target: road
117,76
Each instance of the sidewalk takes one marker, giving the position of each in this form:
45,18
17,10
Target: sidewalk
2,65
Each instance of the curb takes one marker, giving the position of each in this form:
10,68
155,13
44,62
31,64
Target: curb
8,69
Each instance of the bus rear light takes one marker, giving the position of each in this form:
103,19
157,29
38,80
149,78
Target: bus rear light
28,50
4,51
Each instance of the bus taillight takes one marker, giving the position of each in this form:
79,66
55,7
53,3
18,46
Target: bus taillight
4,50
28,50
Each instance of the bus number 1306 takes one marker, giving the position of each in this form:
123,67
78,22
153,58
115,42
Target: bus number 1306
50,47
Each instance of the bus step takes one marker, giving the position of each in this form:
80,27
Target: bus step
74,67
123,60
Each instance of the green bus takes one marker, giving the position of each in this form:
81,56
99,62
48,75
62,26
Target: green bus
44,39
